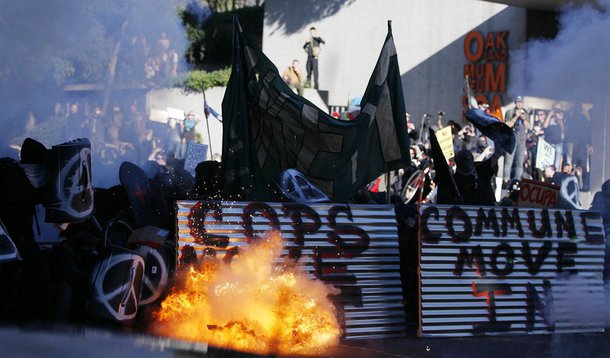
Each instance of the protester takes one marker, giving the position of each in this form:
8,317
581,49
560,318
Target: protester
312,48
601,203
439,121
473,180
21,190
465,138
579,141
294,77
411,131
569,194
554,132
208,181
517,119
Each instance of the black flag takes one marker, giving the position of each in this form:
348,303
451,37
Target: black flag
446,190
268,128
493,128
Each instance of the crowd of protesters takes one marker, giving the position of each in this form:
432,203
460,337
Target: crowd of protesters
120,135
567,131
51,281
150,63
52,284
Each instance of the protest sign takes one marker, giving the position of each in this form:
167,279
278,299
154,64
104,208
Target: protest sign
445,140
352,247
508,270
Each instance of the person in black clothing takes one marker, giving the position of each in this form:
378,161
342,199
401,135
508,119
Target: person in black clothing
601,203
474,180
21,190
312,47
208,181
579,141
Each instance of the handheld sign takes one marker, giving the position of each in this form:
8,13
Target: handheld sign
195,154
445,140
536,194
545,154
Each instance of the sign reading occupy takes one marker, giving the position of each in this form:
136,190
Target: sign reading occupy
495,270
536,194
352,247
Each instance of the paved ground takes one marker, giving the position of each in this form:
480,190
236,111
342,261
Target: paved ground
560,345
71,342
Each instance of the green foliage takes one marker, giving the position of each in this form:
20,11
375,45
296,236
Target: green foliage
210,42
196,37
197,81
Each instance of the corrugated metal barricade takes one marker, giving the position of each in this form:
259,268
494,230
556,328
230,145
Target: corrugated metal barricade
353,247
494,270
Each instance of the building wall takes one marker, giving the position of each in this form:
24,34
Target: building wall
429,37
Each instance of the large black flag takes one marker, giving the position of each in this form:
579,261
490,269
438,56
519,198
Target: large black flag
268,128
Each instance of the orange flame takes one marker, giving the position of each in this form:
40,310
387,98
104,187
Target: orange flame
252,305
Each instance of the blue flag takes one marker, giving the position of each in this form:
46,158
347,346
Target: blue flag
492,128
207,110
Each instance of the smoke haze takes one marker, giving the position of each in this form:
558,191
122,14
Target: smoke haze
59,52
574,65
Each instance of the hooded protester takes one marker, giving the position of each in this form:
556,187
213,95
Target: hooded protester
208,181
71,263
601,203
21,188
474,180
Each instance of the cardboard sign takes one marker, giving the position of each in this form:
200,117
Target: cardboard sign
508,270
175,113
158,115
536,194
445,140
353,247
545,154
195,154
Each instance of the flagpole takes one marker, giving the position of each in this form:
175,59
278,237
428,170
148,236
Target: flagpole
207,123
387,186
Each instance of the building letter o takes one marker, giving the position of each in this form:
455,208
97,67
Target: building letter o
478,37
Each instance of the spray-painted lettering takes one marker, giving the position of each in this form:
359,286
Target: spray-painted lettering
497,246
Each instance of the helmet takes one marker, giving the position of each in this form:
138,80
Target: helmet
291,185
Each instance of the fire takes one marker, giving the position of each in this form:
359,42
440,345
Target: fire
251,304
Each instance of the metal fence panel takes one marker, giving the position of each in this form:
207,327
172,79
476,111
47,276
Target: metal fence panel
495,270
366,271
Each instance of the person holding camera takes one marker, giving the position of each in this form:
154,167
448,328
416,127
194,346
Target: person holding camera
554,131
294,77
312,48
517,119
439,121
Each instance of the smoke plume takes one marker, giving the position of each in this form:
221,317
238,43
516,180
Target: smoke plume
58,53
572,66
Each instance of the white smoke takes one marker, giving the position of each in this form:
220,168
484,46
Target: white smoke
573,65
64,60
